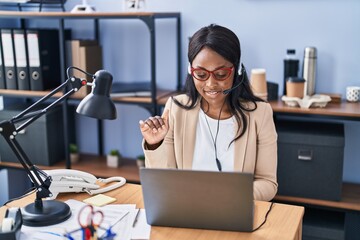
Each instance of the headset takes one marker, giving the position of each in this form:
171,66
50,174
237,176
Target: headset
240,73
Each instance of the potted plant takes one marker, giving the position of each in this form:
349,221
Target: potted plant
113,159
74,153
140,161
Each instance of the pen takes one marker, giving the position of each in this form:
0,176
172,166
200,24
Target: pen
109,229
136,217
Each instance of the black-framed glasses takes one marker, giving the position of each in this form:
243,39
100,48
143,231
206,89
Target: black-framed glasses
220,74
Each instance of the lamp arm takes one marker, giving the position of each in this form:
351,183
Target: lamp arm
41,100
72,80
32,171
9,132
37,114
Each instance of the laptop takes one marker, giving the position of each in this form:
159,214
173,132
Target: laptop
198,199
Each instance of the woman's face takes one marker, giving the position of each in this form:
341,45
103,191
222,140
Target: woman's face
212,88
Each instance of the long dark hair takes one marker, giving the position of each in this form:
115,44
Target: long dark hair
225,42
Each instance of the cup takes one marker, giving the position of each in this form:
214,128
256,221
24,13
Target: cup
295,87
353,94
258,83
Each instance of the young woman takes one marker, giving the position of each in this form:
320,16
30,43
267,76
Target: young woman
218,124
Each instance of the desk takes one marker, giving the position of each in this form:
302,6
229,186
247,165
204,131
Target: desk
344,214
341,111
284,221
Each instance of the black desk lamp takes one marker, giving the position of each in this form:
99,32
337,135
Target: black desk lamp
97,105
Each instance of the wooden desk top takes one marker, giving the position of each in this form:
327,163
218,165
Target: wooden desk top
284,221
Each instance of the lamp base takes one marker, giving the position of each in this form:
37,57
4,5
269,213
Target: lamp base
83,9
51,213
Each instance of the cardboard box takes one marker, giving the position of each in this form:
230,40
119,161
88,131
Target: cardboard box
86,55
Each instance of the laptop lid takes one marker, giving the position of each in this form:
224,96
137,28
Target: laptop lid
198,199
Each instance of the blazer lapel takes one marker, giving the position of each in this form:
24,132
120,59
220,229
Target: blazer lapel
240,149
189,127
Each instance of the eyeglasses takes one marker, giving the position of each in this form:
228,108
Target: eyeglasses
219,74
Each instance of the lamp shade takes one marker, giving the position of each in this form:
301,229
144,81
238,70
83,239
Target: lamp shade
98,103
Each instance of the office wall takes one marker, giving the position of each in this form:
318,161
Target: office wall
266,28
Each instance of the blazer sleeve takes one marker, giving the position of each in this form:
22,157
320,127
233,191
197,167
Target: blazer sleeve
265,181
164,155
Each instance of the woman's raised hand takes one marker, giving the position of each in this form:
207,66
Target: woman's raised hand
154,129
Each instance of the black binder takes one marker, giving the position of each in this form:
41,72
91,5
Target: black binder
22,72
2,75
44,58
9,58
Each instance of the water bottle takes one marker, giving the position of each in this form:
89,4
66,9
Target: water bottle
309,70
291,66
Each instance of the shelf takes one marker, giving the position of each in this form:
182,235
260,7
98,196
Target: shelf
26,93
350,199
95,165
150,103
344,110
57,15
161,96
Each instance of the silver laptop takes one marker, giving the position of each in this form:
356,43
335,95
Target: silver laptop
198,199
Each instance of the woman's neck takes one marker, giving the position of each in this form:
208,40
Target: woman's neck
218,111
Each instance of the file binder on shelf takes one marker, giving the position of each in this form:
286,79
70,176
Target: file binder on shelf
9,58
2,75
44,58
22,72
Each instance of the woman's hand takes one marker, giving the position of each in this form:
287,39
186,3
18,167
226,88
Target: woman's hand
154,129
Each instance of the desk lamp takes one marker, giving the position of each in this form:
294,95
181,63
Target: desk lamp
97,105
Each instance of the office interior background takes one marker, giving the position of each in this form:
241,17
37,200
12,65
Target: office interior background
266,29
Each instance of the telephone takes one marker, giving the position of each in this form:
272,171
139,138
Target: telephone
70,180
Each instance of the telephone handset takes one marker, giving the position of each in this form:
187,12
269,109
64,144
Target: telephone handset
70,180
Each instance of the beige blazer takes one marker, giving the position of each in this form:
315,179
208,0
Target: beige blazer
255,151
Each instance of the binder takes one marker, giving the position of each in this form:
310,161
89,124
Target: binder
22,73
2,75
44,58
9,58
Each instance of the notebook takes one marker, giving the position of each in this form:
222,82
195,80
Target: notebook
198,199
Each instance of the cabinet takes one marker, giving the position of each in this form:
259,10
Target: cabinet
325,219
152,103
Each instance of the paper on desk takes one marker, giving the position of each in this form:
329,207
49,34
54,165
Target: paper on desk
141,230
112,214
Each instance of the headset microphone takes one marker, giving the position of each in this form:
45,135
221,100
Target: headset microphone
227,91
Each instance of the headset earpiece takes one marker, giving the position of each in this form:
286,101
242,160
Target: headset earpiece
240,70
189,68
